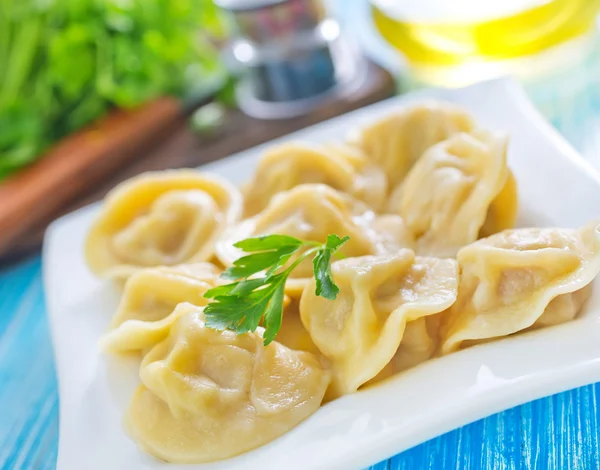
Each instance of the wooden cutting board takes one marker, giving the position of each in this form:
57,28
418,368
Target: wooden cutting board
156,137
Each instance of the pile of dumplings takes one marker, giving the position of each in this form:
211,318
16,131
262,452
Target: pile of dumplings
433,266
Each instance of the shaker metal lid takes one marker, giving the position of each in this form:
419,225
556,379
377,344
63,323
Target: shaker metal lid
241,5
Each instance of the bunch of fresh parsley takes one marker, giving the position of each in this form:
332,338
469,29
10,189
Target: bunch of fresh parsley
256,297
65,63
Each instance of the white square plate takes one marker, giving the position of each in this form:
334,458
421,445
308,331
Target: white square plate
557,188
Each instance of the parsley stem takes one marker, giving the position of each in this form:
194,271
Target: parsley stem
301,258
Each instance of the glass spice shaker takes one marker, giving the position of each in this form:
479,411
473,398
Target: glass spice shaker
292,57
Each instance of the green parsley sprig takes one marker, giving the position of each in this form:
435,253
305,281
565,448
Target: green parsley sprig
250,299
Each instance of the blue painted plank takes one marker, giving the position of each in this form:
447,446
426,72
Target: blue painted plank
28,392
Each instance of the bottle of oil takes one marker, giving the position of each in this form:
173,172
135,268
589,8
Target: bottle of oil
444,34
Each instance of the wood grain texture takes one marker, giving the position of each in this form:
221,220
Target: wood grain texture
78,163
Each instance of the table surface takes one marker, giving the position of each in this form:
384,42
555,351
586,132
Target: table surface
557,432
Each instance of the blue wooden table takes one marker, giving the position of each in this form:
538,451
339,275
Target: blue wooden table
558,432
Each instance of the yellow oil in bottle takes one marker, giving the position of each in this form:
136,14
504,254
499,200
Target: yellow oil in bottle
451,32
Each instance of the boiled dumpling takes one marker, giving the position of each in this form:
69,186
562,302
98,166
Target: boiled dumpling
518,279
362,330
398,140
502,213
340,166
311,212
148,306
208,395
420,342
451,191
292,333
163,218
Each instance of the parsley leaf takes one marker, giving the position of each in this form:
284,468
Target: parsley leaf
267,242
242,305
242,309
274,313
269,252
321,264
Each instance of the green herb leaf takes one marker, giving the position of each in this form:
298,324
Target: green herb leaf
274,314
325,286
240,288
248,265
268,242
334,242
242,310
242,305
239,314
270,253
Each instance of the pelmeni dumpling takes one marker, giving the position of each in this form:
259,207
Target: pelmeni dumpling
518,279
446,197
502,212
340,166
208,395
420,342
311,212
398,140
162,218
148,306
292,333
362,330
